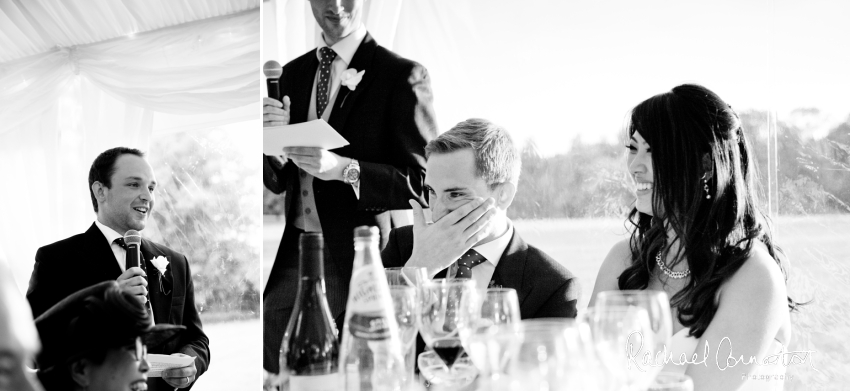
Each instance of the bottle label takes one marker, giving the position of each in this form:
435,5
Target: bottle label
315,383
369,304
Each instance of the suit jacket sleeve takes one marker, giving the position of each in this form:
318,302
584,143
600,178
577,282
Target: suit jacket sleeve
193,341
413,124
391,254
274,174
39,292
562,302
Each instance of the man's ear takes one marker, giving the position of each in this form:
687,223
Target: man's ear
504,195
80,372
99,190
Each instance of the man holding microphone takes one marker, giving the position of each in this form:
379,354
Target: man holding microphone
378,101
122,188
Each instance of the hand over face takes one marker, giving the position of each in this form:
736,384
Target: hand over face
134,280
180,377
276,113
436,246
318,162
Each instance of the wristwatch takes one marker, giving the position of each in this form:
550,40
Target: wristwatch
351,173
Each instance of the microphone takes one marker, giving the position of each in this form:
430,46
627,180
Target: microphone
273,71
133,239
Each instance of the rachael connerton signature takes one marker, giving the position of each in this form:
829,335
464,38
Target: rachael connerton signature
797,357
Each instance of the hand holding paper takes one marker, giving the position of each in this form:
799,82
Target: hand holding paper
318,162
178,369
316,133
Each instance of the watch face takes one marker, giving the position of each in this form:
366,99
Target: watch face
352,174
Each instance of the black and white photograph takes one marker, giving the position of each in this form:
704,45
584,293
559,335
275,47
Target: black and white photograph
606,195
130,253
471,195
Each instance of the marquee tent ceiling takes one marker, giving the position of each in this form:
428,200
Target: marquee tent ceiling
31,27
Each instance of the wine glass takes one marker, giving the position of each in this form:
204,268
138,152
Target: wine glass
666,381
446,306
619,330
657,306
487,347
407,276
552,354
406,305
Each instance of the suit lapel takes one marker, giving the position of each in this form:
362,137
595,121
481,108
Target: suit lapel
303,88
161,302
345,99
100,254
509,272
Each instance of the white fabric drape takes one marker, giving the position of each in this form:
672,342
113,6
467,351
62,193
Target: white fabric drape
60,108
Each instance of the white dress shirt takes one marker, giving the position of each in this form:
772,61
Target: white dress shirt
482,273
118,251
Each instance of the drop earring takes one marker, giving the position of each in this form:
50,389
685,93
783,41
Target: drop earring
705,186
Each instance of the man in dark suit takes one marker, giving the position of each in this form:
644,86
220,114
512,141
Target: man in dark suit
379,102
121,184
473,171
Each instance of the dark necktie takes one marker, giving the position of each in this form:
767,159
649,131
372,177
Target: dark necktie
464,271
323,86
120,242
467,262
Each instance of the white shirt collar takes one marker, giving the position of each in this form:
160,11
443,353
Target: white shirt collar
494,249
346,47
110,233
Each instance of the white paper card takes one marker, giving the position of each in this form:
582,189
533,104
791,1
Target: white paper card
316,133
161,362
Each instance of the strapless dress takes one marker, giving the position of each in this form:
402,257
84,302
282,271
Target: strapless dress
769,377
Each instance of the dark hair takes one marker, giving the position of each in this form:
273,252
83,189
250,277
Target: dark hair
125,313
104,166
697,140
496,159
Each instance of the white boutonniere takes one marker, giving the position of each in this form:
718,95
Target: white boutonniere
161,263
351,78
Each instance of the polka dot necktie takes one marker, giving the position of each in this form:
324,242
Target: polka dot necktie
322,88
467,262
120,242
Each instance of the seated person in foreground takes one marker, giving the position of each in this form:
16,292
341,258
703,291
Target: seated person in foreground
97,339
700,237
471,178
18,337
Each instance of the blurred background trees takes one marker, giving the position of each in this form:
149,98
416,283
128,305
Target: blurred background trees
590,180
207,207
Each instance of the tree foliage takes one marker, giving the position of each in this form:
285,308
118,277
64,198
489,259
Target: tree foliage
207,208
591,180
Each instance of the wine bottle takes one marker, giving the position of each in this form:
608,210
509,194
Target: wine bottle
309,354
371,353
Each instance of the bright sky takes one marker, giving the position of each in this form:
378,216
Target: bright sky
553,69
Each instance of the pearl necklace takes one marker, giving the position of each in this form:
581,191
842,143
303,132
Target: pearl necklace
667,271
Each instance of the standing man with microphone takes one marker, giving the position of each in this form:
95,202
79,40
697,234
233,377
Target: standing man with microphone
382,104
121,185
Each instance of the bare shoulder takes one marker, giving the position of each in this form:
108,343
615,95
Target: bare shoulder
759,274
618,259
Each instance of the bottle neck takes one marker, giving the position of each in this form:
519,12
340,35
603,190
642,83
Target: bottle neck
366,252
311,264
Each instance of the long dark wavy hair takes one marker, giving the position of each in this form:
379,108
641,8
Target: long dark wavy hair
697,140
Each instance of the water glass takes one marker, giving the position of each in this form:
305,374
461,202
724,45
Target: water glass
619,333
485,344
445,307
405,304
666,381
406,276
